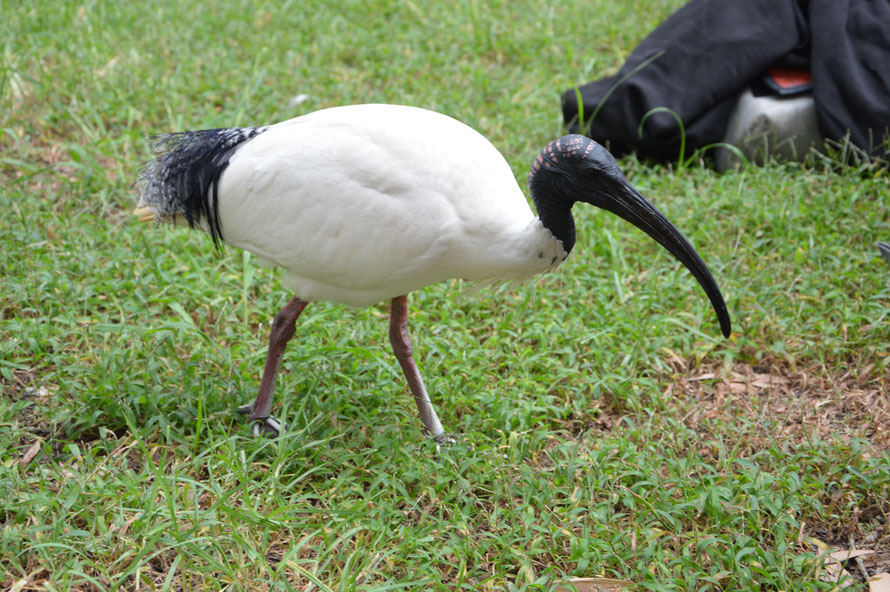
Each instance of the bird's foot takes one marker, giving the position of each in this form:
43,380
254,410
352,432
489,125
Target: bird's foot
268,427
448,442
262,426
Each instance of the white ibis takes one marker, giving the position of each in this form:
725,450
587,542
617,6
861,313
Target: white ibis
364,203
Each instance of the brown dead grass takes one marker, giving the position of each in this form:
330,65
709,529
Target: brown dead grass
775,404
25,386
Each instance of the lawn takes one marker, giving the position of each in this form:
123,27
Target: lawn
605,427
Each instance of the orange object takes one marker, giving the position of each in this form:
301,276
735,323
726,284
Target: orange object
789,78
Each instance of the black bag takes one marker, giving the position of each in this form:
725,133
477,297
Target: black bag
698,61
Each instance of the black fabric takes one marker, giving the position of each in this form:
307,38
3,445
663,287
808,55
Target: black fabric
851,70
704,54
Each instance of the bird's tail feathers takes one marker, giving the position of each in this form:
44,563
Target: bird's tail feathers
181,182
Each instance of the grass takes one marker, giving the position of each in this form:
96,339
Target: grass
612,432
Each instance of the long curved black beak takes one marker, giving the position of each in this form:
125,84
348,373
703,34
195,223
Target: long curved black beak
625,201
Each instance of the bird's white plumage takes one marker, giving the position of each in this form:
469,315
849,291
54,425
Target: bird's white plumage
367,202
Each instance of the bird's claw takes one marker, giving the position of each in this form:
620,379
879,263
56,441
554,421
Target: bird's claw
447,442
266,427
262,426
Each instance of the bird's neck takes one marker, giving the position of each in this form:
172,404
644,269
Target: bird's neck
556,215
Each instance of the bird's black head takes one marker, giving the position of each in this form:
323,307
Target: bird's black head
575,168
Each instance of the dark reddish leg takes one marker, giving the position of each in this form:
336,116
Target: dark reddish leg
403,348
283,328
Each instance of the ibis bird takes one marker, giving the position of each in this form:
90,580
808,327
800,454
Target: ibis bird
360,204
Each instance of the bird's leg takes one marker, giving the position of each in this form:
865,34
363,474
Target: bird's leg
403,348
283,328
